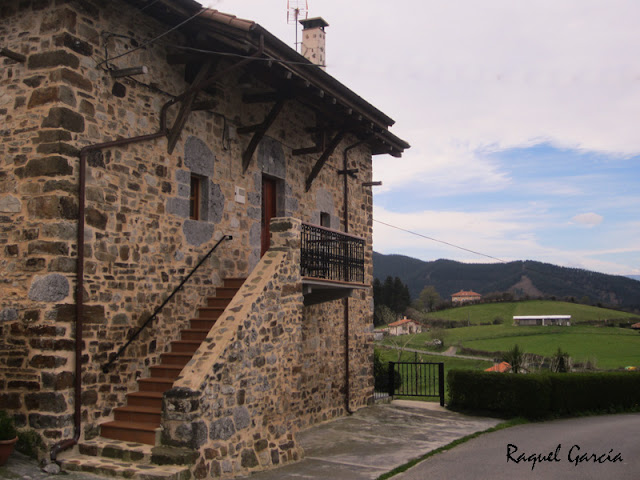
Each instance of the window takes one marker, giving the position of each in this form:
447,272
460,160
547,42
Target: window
195,198
325,220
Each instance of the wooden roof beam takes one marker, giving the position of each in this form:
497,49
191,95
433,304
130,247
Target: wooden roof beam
185,108
324,157
260,132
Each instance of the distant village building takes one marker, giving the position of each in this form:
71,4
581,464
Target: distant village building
544,320
464,296
404,327
499,367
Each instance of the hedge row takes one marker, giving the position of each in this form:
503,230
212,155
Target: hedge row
543,394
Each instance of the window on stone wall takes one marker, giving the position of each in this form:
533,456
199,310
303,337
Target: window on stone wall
195,198
325,220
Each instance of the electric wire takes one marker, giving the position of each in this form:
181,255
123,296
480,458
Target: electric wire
238,55
441,241
149,5
155,39
524,262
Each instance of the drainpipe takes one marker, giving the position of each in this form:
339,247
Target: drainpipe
82,169
84,153
345,196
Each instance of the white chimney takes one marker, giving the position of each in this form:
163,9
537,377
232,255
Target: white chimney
313,40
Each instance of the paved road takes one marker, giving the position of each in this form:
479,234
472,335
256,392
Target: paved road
614,439
450,352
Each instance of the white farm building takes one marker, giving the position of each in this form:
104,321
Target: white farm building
544,320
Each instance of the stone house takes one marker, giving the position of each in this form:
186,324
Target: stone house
136,135
405,326
465,296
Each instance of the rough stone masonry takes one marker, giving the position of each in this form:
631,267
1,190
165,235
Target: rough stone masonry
140,240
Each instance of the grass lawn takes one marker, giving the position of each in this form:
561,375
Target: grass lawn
612,347
488,312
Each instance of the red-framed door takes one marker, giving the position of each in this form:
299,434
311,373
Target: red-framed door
269,209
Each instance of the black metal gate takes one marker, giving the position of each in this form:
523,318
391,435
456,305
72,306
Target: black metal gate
416,379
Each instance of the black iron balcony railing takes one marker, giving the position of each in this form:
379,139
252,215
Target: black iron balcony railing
331,255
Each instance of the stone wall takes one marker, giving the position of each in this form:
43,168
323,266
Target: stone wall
268,368
231,401
139,239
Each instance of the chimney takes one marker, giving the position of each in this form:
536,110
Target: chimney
313,40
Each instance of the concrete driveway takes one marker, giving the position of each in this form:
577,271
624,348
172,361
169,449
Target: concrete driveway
376,440
603,447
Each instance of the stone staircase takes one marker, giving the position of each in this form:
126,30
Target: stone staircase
129,444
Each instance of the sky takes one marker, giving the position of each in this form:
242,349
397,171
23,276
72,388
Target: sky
522,115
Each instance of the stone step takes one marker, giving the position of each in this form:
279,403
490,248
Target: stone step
226,292
202,323
234,282
194,333
137,414
155,384
116,449
130,431
119,468
218,302
185,346
145,399
210,312
175,358
166,371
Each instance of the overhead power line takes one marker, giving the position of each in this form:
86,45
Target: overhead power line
441,241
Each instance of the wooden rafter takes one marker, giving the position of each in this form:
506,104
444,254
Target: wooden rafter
186,106
320,145
324,157
260,131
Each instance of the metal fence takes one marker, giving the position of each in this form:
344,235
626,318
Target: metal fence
331,255
416,379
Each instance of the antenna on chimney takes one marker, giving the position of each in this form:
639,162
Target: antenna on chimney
296,10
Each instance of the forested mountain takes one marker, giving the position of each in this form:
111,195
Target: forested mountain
521,278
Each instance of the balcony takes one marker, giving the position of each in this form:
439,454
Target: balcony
331,263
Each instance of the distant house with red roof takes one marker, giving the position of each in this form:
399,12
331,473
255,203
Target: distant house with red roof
464,296
404,327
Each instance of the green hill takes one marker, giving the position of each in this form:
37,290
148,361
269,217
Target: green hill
522,278
488,312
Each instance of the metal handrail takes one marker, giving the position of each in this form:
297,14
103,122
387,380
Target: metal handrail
107,366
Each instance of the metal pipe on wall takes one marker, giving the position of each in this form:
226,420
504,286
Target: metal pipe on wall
347,373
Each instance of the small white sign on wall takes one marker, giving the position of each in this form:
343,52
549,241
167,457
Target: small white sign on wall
241,195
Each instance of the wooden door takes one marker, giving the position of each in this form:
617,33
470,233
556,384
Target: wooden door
269,209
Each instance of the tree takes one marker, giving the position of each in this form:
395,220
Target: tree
428,299
561,362
400,298
392,293
514,357
383,315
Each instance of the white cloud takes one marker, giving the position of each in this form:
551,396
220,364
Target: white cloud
465,79
587,219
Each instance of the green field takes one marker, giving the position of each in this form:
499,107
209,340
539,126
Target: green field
488,312
610,347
